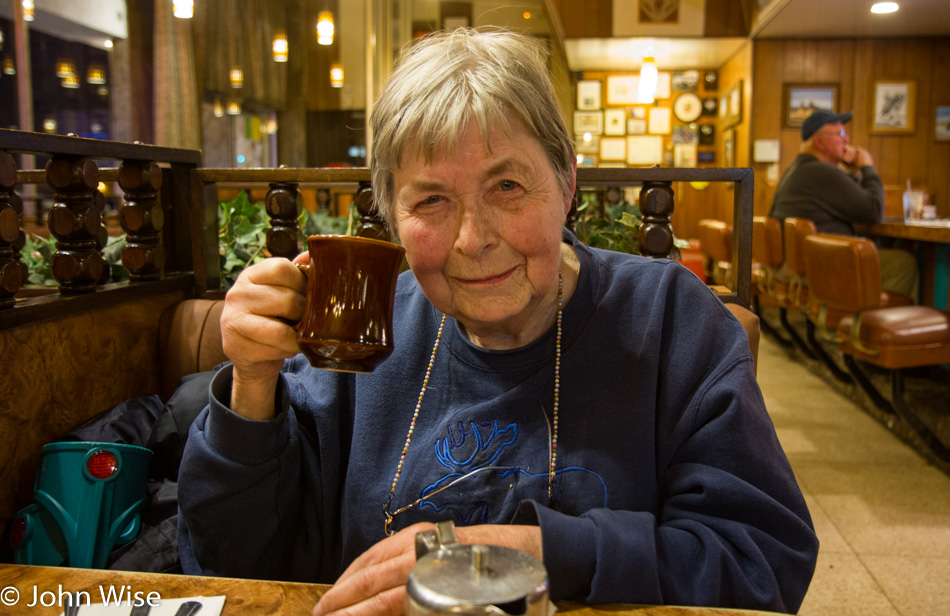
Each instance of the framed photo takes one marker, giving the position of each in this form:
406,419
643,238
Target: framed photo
801,100
615,122
588,122
685,135
685,81
644,150
684,155
638,113
730,105
664,84
661,121
588,95
893,106
729,148
705,156
710,80
636,127
707,134
622,89
613,148
582,146
942,132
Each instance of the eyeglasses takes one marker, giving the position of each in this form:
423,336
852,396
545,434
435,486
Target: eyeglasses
843,133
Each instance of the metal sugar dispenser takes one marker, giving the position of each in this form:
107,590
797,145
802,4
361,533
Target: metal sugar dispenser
450,578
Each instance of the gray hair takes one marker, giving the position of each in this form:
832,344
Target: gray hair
452,78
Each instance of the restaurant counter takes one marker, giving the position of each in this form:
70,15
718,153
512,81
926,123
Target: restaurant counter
19,584
929,241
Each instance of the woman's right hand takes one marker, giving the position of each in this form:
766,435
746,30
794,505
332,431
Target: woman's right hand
255,332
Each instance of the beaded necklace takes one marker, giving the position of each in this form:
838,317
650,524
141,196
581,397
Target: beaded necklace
415,415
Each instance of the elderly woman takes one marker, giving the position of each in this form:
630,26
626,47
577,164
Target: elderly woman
595,409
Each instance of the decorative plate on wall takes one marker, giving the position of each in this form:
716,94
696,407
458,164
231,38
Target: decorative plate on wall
687,107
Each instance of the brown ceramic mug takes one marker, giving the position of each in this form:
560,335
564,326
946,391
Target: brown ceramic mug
351,287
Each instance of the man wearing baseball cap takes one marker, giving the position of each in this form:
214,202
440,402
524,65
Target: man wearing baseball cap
834,184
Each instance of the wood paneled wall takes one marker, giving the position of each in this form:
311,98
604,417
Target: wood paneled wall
717,200
589,19
854,64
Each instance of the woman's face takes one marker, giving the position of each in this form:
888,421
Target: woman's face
482,230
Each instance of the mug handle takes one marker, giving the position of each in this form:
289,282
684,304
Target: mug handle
305,270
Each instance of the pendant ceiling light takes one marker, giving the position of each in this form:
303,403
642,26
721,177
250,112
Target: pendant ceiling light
96,75
280,47
336,75
28,10
184,9
646,93
234,108
237,77
218,108
8,67
325,28
71,82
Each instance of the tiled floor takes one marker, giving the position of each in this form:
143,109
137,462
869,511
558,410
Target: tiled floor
882,513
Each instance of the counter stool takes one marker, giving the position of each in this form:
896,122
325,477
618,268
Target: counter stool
844,274
768,254
715,242
795,231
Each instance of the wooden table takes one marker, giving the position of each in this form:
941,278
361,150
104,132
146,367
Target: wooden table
931,247
244,597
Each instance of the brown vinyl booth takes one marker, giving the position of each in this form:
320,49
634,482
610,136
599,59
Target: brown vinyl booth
715,242
91,344
844,274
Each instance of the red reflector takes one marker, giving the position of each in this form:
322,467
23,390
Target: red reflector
102,464
17,531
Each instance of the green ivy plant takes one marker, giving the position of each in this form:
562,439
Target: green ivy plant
617,229
37,254
243,232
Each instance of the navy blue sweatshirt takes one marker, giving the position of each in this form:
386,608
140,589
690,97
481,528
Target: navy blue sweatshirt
671,486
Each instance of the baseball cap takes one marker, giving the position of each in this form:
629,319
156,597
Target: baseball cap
819,118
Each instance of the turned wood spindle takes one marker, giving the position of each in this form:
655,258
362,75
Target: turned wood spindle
656,206
323,200
370,225
74,221
282,207
11,206
142,218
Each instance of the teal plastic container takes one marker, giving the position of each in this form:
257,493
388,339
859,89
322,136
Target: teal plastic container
36,538
95,492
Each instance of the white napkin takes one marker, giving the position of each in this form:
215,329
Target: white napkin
210,606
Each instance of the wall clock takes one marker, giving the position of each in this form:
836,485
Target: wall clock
687,107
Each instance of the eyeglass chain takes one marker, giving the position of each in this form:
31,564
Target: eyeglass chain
425,383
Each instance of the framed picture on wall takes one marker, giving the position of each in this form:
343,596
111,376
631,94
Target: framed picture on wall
730,105
588,122
615,122
942,132
622,89
800,100
729,148
893,106
588,95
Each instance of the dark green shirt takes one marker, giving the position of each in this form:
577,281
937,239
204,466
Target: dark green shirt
828,196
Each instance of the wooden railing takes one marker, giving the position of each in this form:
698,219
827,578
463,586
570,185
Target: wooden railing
73,353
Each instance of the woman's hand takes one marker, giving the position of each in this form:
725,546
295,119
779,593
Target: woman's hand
375,583
253,335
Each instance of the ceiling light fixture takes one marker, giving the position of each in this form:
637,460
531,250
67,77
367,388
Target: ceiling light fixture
218,108
237,77
646,92
280,47
336,75
884,7
234,108
28,10
107,43
184,9
96,75
71,82
8,68
325,28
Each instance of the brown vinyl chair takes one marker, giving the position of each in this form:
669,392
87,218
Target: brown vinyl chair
715,242
844,274
767,289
